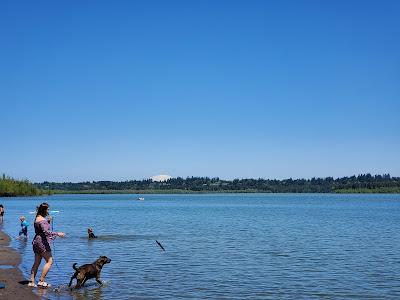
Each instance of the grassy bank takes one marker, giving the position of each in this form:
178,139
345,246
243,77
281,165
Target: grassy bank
10,187
382,190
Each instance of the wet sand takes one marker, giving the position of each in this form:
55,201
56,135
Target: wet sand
10,275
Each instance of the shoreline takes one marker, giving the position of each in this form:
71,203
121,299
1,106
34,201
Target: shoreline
190,192
10,274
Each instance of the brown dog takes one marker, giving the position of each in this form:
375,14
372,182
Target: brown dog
85,272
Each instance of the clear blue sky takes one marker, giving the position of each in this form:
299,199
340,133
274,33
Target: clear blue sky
118,90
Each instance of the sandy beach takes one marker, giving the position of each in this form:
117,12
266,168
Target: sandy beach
10,275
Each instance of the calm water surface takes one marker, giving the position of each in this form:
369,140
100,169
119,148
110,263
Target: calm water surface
256,246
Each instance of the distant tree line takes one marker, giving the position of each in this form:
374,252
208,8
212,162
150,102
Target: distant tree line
10,187
365,183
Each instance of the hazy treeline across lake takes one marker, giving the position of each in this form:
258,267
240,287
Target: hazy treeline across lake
365,183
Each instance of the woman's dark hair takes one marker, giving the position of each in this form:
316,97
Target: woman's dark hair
42,210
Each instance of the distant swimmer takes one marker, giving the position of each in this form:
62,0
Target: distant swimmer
91,234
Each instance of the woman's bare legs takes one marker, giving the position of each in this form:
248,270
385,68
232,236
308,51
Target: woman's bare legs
35,267
49,261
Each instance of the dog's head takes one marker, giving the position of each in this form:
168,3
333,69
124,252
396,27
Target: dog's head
102,260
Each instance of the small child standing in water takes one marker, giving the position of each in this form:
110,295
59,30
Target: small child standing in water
24,227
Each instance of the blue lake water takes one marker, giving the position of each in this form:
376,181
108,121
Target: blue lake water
239,246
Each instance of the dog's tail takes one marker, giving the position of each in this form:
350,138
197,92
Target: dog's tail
75,268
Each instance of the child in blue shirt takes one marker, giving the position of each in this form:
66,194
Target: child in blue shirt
24,227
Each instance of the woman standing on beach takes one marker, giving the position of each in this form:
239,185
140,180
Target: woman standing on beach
41,245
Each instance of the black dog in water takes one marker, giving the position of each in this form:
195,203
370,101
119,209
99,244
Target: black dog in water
88,271
91,234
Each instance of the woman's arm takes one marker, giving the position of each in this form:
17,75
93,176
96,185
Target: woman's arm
46,229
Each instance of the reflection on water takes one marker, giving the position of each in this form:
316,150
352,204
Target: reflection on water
91,290
88,293
62,292
21,244
223,246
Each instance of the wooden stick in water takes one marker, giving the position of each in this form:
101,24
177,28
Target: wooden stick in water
159,244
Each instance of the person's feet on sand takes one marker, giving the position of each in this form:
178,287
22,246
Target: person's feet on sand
43,284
